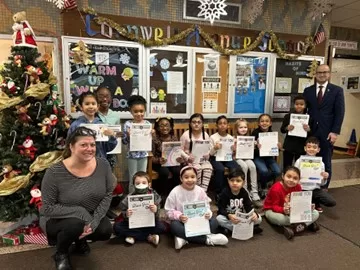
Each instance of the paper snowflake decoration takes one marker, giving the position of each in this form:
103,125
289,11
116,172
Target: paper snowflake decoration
319,8
59,3
164,63
212,9
153,61
124,58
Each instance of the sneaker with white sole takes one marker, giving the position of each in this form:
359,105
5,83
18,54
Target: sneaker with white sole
130,240
154,239
179,242
216,239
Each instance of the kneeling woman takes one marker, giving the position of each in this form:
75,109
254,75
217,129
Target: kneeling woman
76,195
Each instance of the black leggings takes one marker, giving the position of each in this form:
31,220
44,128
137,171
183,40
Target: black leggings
63,232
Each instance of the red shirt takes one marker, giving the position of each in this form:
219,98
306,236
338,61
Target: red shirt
276,197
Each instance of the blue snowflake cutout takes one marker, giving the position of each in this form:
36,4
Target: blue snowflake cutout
124,58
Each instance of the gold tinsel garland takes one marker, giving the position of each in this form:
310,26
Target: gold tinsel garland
42,162
182,35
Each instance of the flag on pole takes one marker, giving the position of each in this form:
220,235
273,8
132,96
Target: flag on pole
319,35
70,4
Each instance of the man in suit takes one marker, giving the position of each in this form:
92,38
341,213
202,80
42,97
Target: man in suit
326,106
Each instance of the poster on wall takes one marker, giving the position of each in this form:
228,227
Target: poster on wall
210,102
353,83
211,84
251,85
211,65
115,67
291,80
168,81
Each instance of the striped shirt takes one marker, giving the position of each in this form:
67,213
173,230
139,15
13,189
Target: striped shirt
66,196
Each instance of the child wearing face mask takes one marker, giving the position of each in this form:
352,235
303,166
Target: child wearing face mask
188,191
151,234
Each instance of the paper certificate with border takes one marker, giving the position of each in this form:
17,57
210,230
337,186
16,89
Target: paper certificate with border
140,137
310,168
298,120
244,230
196,224
117,130
99,129
269,144
171,151
199,149
142,215
225,153
245,147
300,206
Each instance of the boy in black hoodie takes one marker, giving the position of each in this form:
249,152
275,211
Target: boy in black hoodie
235,198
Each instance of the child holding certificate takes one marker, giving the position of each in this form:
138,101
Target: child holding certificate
248,165
266,165
234,198
140,233
221,152
277,204
197,134
89,106
293,145
137,160
164,132
189,192
319,195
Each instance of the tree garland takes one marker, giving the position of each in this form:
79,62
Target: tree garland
309,45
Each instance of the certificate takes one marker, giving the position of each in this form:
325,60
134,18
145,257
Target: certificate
99,129
269,144
298,120
171,151
244,230
225,153
117,130
245,147
300,207
196,224
140,137
199,149
142,215
310,168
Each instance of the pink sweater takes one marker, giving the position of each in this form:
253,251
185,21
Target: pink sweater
178,196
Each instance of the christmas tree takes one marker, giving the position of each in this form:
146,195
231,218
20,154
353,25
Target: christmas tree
33,125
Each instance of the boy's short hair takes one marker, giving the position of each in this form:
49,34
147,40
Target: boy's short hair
236,172
312,140
141,174
299,97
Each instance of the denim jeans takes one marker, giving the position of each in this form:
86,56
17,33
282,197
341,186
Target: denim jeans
268,169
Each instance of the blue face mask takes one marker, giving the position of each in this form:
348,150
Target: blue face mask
142,188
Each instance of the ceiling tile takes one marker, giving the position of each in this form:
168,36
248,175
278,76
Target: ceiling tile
342,14
354,6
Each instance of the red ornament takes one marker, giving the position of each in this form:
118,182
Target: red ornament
27,148
36,197
54,119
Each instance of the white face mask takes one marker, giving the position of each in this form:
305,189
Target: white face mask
142,186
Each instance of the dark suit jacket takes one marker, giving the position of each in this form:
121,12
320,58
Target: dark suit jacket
329,115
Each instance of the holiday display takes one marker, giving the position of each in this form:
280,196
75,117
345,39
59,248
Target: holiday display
212,9
312,68
64,4
319,8
80,54
29,125
308,42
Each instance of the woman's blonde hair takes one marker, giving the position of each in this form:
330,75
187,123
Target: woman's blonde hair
237,125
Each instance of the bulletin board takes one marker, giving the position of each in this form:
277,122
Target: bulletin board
290,80
168,88
116,66
211,83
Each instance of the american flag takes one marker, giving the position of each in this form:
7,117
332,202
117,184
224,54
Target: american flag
70,4
320,35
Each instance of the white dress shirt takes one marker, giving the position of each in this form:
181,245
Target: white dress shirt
318,88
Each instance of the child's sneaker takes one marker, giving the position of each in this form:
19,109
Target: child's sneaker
298,228
319,209
179,242
288,232
257,229
130,240
314,227
153,239
216,239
